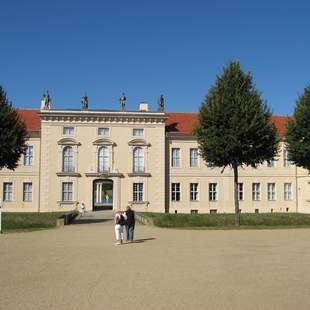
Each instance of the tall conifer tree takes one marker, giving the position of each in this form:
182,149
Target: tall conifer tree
13,134
298,132
235,127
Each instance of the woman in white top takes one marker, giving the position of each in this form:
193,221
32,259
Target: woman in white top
119,227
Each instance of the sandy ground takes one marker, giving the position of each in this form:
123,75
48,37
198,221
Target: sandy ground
79,267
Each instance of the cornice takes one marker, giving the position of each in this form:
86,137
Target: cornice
97,116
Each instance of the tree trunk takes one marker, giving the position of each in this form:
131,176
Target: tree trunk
237,213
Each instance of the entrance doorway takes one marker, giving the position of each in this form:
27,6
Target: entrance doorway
102,195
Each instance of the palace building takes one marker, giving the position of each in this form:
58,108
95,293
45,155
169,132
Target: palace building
108,159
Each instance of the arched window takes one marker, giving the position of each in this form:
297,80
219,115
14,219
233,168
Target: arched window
138,159
67,162
103,159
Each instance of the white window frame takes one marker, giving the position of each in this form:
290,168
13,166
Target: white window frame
138,132
240,191
138,163
193,157
7,194
271,190
138,192
66,191
103,160
194,191
27,191
175,192
68,131
286,161
256,194
175,158
105,131
68,159
288,194
28,156
212,192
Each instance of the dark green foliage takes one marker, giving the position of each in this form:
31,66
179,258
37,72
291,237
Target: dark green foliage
226,221
234,124
29,221
298,132
13,134
235,127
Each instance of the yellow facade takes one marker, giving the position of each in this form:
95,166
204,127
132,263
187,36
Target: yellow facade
109,159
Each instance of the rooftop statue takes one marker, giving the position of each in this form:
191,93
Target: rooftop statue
122,101
161,104
46,101
85,102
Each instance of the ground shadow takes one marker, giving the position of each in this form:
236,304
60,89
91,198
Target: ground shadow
143,240
90,221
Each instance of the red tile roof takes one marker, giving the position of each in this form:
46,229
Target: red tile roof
31,118
182,122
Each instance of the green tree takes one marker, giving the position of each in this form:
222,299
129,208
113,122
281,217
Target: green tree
13,134
298,132
234,127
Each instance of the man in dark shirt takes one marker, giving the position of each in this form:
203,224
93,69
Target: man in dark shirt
130,227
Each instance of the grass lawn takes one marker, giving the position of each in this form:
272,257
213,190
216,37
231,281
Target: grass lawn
226,221
28,221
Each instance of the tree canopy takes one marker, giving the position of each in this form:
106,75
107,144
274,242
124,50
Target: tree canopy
235,126
298,132
13,134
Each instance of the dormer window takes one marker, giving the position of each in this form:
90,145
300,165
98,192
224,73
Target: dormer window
68,131
103,131
138,132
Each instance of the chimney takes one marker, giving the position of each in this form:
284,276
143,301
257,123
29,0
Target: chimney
143,107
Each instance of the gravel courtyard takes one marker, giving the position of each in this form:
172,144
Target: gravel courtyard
79,267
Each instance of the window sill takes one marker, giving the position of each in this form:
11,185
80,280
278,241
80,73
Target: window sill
139,202
68,174
66,202
139,174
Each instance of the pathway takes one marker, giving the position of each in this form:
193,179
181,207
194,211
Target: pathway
79,267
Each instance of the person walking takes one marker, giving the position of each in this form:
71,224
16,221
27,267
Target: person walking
130,227
119,221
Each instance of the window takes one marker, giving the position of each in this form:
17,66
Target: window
137,192
271,188
103,159
68,131
286,161
137,132
175,157
255,191
193,157
67,191
138,159
27,192
68,159
213,211
240,191
175,192
194,211
212,191
28,156
271,163
103,131
287,191
194,192
7,191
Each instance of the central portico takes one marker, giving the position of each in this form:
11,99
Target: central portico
105,159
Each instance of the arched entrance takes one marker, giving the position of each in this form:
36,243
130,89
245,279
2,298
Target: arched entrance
102,195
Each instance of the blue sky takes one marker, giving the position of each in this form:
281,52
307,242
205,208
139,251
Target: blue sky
147,48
